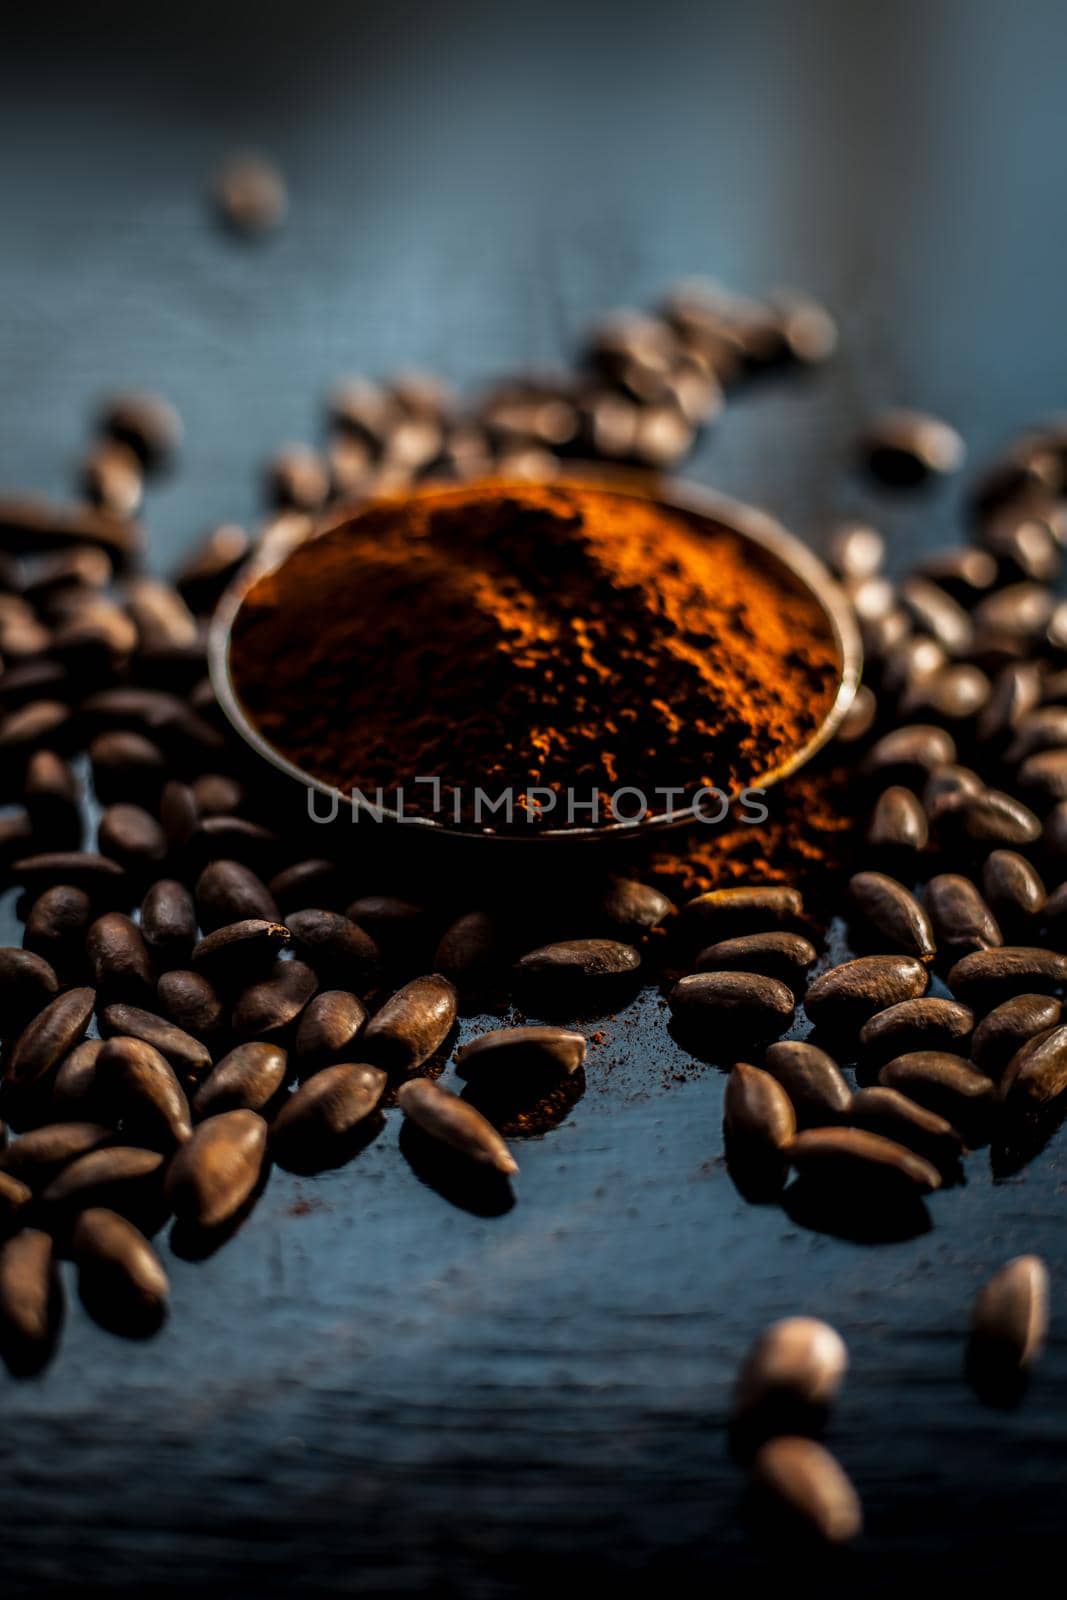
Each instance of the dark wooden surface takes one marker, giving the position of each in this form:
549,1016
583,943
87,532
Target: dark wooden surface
369,1390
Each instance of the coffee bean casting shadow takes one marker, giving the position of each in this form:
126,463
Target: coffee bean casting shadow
521,1111
866,1219
128,1321
455,1177
190,1242
322,1154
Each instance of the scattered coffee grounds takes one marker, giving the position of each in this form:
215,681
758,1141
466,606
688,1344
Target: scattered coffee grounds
529,638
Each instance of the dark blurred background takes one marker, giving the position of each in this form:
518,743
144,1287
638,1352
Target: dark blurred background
367,1391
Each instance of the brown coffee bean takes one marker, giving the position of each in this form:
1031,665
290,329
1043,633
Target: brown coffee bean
1042,729
927,1024
630,908
860,717
812,1080
944,1083
989,818
910,753
987,977
163,718
126,766
902,448
730,913
207,571
43,724
735,1001
1016,692
1044,775
325,1111
111,478
100,878
334,946
94,639
1013,889
27,984
15,834
1037,1073
247,1078
162,618
317,882
50,795
781,955
856,550
505,1054
145,422
914,661
957,692
228,891
30,1298
118,957
788,1381
51,1035
965,572
849,994
217,795
1055,831
1024,545
898,824
38,1155
328,1029
1009,1322
212,1176
57,925
937,614
188,1057
802,1482
272,1004
758,1117
395,925
124,1178
168,921
944,783
179,814
35,679
469,949
33,524
190,1000
75,1090
578,962
960,917
297,478
411,1025
143,1086
15,1197
120,1278
454,1122
845,1159
1019,611
894,913
232,953
1008,1027
895,1116
235,837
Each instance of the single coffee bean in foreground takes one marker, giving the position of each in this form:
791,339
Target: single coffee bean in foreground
804,1484
455,1123
411,1025
214,1174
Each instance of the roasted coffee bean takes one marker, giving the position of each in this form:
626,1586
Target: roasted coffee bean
56,583
892,911
15,1197
146,1091
961,919
234,837
163,620
100,878
927,1024
145,422
895,1116
469,949
630,908
1016,692
16,834
738,1002
1007,1028
506,1054
1044,775
228,891
847,995
454,1122
126,766
578,964
325,1111
902,448
785,956
812,1080
30,523
788,1381
217,795
965,572
936,613
758,1116
1019,611
75,1090
206,572
246,1079
730,913
297,478
168,921
111,478
914,661
1055,909
334,946
43,724
30,1298
123,1177
212,1176
856,550
27,984
316,882
987,977
846,1159
944,1083
395,925
957,692
188,1057
874,600
989,818
164,718
190,1000
910,753
411,1025
51,1035
118,957
898,825
250,195
1009,1322
1037,1072
234,952
860,717
179,814
328,1028
37,1156
94,639
1024,545
269,1006
50,795
944,783
1044,728
120,1278
1013,889
1055,831
36,679
803,1483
